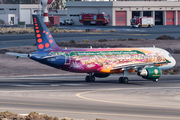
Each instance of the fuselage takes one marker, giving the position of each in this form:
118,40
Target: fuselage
104,60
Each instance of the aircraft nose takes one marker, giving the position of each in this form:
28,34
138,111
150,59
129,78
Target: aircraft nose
169,65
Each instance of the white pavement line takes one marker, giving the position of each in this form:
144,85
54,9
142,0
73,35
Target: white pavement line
55,85
74,84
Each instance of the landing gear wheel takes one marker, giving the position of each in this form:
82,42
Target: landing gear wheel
125,80
90,79
87,78
121,80
155,80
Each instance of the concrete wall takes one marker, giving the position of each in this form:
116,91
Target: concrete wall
9,9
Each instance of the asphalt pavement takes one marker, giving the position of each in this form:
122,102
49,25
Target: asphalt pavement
71,96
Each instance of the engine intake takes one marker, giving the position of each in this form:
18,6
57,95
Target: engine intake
150,73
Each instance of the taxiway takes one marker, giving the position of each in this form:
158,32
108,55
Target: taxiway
70,96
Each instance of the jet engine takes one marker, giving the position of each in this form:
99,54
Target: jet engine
150,73
101,75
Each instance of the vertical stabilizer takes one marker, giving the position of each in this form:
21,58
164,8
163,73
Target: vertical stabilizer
44,39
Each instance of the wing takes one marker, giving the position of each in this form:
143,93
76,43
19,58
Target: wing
138,65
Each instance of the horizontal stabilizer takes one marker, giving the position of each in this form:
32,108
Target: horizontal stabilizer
17,54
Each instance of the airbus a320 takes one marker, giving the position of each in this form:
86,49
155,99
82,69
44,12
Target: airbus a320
146,62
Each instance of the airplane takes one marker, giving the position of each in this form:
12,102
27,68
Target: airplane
147,62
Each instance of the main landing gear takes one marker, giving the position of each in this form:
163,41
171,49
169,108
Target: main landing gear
90,78
124,79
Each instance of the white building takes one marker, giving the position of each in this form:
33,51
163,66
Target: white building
23,12
164,12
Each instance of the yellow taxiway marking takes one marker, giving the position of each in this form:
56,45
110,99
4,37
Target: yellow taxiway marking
97,100
106,114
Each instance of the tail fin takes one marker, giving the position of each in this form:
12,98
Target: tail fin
44,39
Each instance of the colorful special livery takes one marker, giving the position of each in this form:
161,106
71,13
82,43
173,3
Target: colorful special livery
98,62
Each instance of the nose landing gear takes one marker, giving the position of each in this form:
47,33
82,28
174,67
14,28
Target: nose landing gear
90,78
155,80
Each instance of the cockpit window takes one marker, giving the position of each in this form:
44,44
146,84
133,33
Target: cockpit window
170,55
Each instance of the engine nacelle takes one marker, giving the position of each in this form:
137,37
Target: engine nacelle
101,75
150,73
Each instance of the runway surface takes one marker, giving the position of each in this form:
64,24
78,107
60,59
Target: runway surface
126,32
71,96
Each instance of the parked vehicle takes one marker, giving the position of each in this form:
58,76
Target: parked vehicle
62,22
69,21
142,22
54,20
95,19
2,22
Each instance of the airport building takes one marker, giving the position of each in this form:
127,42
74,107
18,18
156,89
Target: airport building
163,12
120,12
23,12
